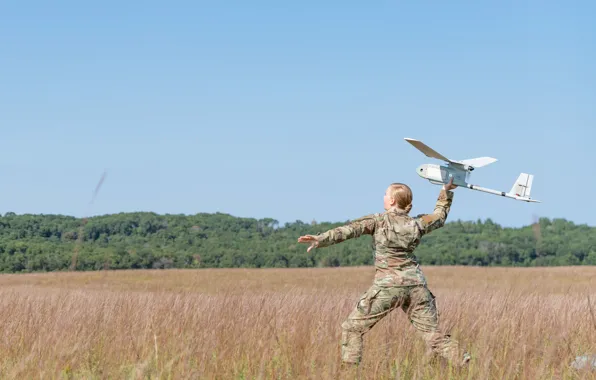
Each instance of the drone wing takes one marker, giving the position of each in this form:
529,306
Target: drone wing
479,162
428,151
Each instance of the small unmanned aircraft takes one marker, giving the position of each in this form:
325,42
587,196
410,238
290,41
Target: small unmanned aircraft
460,172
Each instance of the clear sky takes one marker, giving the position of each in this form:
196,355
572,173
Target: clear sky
294,110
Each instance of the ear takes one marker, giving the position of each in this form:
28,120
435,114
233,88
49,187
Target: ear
393,201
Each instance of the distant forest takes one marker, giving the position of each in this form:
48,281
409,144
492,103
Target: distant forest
32,243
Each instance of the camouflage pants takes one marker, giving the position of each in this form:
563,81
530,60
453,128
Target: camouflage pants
417,302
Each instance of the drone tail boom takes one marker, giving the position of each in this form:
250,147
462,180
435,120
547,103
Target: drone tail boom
502,193
520,190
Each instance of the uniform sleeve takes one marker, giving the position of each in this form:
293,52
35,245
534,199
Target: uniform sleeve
362,226
431,222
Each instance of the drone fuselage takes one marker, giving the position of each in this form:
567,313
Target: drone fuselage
441,174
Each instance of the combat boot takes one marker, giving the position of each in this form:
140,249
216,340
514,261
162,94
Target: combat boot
466,359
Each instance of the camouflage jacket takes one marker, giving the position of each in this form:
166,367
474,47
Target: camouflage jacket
395,236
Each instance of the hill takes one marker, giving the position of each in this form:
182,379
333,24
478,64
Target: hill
147,240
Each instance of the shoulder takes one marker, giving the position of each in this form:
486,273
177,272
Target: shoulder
376,217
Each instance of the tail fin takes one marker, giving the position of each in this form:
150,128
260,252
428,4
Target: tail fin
479,162
522,186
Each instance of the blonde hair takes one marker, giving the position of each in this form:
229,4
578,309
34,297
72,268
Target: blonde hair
402,195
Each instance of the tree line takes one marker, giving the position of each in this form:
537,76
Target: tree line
32,243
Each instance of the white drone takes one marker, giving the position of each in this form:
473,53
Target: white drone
460,172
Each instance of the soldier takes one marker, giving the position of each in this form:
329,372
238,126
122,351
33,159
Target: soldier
398,281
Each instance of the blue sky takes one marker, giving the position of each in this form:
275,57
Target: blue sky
295,110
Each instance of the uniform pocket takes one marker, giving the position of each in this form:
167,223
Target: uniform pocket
433,302
366,300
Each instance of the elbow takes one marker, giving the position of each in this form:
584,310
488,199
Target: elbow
442,219
441,213
439,223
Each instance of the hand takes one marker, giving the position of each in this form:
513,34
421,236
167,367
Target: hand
309,239
450,185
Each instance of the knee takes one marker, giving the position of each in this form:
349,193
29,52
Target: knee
350,326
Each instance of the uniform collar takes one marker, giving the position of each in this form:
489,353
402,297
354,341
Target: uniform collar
396,210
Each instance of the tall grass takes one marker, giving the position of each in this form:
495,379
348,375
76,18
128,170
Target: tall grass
284,324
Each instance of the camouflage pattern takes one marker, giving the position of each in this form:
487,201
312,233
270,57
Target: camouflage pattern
417,302
395,236
399,281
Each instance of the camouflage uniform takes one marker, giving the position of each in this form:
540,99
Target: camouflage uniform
398,282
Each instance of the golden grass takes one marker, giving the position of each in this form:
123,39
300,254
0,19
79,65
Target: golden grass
523,323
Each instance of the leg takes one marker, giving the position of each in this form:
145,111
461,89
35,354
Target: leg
372,306
422,312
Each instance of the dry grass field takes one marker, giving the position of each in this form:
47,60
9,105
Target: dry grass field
284,324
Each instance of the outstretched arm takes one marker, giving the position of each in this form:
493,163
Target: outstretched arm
431,222
365,225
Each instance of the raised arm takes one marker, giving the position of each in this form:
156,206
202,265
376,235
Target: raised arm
354,229
431,222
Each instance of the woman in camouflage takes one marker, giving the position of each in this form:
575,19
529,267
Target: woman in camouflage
399,281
